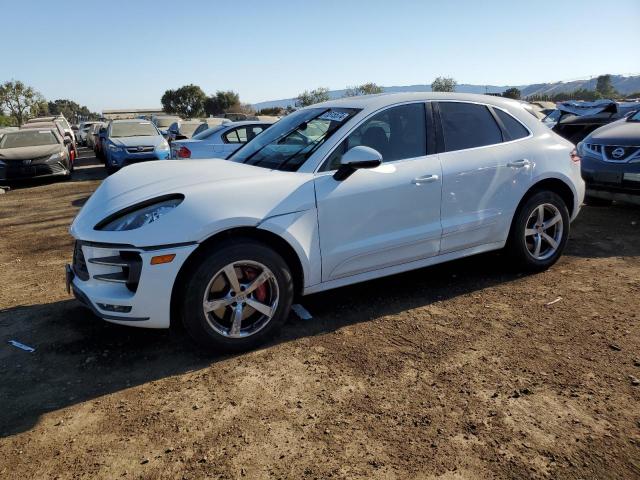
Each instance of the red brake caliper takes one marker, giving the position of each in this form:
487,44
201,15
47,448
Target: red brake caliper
261,292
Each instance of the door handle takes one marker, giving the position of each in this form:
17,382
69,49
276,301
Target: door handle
425,179
519,163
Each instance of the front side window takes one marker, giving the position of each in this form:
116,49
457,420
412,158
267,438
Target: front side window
290,142
397,133
133,129
467,125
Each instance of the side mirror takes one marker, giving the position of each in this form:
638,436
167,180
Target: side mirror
67,140
355,159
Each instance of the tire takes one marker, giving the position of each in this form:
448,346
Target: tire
597,202
207,281
111,170
525,236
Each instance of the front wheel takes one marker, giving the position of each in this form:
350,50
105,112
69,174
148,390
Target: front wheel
237,296
539,232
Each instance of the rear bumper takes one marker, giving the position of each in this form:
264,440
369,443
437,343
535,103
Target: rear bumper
146,305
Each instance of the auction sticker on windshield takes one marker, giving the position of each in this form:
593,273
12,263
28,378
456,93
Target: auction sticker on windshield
334,116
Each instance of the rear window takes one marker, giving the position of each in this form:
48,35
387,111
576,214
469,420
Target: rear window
28,138
207,133
514,128
467,125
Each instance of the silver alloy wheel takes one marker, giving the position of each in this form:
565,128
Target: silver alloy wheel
241,299
543,231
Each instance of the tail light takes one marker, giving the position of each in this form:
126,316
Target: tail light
183,152
575,158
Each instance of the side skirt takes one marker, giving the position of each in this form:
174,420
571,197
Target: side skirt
404,267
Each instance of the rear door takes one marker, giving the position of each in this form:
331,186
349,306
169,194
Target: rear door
486,171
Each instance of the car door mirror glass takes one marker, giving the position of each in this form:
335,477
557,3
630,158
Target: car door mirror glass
356,158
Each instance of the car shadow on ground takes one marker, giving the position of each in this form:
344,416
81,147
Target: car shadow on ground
79,357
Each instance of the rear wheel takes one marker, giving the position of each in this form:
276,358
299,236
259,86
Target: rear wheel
237,296
539,231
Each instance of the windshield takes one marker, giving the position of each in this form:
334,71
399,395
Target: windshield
207,133
291,141
133,129
164,122
28,138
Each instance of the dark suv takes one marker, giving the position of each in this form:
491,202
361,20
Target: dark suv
611,162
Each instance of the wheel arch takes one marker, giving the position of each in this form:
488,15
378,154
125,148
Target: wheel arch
556,185
279,244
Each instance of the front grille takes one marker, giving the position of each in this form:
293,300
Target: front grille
140,149
128,265
79,263
620,153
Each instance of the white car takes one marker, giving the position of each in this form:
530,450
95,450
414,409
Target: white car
220,142
333,194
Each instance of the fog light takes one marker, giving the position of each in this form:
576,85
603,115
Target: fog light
160,259
114,308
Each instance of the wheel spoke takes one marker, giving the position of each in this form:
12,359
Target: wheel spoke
259,280
538,246
260,307
550,240
236,321
552,222
232,276
215,304
540,214
530,231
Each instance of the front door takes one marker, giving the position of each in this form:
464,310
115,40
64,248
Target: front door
384,216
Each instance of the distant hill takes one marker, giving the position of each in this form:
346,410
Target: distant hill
622,84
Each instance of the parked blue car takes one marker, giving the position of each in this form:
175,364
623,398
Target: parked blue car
133,141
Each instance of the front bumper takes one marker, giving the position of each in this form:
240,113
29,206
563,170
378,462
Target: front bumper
123,158
613,177
99,283
18,169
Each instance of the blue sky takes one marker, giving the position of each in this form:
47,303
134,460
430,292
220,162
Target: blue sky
127,53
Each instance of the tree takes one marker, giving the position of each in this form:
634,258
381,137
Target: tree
364,89
19,100
187,101
512,92
222,102
604,86
307,97
444,84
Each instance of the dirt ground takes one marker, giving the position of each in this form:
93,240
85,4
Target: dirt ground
460,371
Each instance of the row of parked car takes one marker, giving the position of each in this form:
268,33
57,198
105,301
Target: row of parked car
119,143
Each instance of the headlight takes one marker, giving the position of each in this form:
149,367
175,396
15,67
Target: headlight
140,215
114,148
56,156
163,145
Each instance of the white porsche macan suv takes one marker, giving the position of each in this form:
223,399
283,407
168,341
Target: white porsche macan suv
333,194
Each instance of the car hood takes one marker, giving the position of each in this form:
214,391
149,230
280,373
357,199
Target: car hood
145,140
29,152
218,194
616,133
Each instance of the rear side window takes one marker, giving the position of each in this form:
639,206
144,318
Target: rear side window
514,128
467,125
